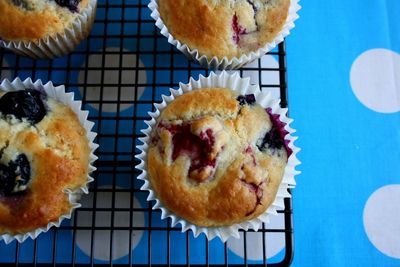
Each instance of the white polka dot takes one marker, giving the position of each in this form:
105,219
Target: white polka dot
120,245
274,242
382,220
111,76
375,80
5,74
268,77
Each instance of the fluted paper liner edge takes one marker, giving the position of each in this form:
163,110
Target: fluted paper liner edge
225,63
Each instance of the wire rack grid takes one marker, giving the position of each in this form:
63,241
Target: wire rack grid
119,72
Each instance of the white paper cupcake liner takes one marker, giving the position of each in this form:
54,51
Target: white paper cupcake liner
225,63
58,93
241,86
62,43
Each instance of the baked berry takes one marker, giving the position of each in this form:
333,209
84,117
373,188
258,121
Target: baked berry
15,176
17,2
272,140
246,99
23,3
22,170
276,137
25,104
70,4
7,180
197,148
237,29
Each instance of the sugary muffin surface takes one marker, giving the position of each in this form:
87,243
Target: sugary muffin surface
43,151
31,20
216,158
222,28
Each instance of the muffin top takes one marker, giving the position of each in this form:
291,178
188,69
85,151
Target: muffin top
224,28
43,152
216,158
31,20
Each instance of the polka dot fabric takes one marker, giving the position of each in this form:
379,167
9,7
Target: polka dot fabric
345,95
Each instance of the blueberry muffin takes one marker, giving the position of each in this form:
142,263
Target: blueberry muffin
224,28
31,20
45,28
43,152
216,158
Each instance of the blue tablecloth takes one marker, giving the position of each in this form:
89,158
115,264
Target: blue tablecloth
344,80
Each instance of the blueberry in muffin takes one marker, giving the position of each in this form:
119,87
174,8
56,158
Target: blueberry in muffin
28,104
216,158
43,152
15,175
71,4
28,4
224,28
246,99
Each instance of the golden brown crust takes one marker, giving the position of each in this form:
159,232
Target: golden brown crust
277,17
207,25
208,102
19,24
58,151
245,180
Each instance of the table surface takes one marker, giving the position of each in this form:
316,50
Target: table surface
344,80
344,94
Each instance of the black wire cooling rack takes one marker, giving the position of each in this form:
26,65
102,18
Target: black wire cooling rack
119,72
